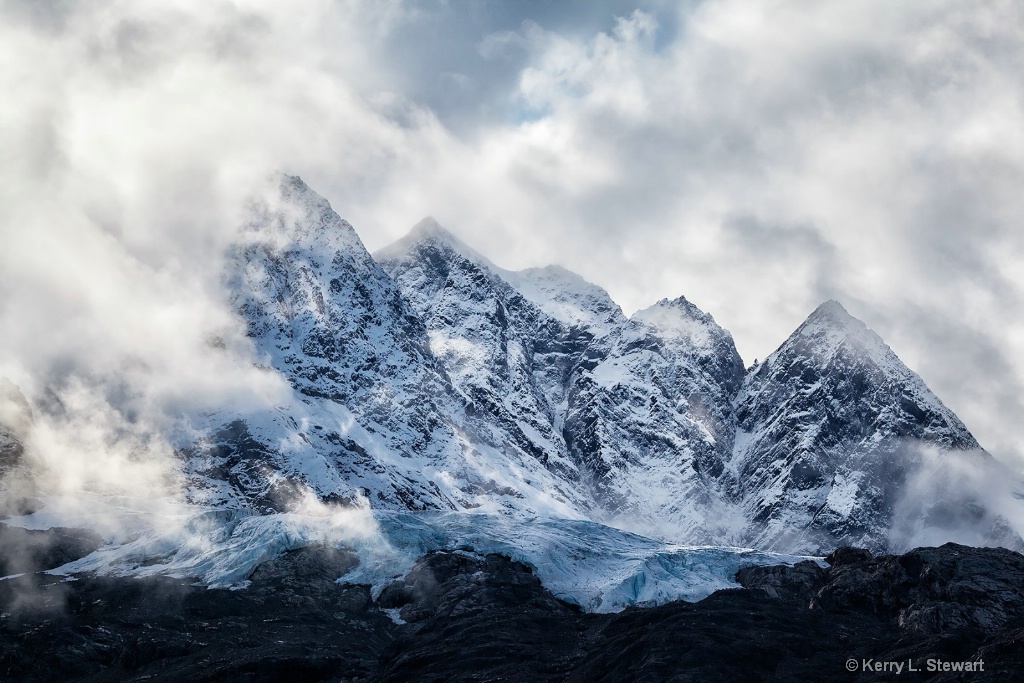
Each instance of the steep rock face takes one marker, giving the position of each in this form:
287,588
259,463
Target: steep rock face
506,356
324,313
364,418
638,411
649,413
373,414
830,427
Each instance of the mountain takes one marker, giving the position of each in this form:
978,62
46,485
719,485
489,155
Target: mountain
831,428
649,415
426,378
637,410
506,356
373,416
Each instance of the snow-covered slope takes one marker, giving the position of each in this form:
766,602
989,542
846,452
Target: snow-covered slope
568,298
831,425
649,415
638,411
507,357
372,413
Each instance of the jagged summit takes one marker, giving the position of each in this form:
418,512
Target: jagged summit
831,310
830,331
293,216
557,291
568,298
832,316
431,235
429,227
679,317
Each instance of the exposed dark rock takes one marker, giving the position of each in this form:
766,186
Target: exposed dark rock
780,581
294,623
473,618
933,590
23,550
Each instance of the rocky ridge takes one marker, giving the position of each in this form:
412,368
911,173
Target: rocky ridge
427,378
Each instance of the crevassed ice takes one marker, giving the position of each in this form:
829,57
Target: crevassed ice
597,567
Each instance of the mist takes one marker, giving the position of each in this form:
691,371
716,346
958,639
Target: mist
963,497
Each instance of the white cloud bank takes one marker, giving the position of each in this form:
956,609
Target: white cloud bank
758,157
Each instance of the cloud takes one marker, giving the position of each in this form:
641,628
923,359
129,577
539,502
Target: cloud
767,158
961,498
756,157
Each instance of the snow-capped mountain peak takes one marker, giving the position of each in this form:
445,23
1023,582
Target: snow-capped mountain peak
428,227
678,318
427,377
831,327
831,427
568,298
428,234
834,311
295,215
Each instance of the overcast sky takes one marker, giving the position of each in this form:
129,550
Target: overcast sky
758,157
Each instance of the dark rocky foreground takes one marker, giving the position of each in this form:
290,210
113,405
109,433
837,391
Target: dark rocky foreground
488,618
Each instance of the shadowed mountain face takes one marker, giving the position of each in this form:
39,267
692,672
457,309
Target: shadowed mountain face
426,377
831,426
324,316
508,358
466,617
373,415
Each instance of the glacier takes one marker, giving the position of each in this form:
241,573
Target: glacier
599,568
